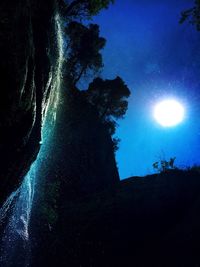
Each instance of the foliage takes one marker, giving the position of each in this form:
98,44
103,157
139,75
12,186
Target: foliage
82,56
116,142
84,44
195,168
109,97
193,15
84,8
163,165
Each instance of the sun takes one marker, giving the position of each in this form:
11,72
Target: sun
169,113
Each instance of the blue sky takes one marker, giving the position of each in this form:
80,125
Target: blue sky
158,58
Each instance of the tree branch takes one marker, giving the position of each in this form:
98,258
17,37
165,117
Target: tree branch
79,76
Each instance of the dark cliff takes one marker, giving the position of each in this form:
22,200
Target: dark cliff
81,151
29,53
141,221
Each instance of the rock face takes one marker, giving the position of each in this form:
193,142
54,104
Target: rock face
82,154
142,221
29,53
80,163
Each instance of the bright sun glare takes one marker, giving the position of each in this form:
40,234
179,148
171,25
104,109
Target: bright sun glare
169,113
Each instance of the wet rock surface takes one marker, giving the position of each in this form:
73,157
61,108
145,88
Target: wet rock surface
28,61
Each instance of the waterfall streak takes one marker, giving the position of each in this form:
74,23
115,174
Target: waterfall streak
7,205
19,204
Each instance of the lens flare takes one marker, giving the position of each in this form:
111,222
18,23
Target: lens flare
169,113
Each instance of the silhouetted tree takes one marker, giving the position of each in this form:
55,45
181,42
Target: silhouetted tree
193,15
83,46
83,8
109,97
82,56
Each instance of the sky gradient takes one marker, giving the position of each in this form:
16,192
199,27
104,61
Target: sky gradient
158,58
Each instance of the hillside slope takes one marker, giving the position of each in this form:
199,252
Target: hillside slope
142,221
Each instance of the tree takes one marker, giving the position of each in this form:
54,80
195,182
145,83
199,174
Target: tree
84,44
193,15
83,56
109,97
83,8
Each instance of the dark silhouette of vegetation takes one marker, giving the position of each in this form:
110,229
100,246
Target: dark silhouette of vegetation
83,50
195,168
164,165
83,8
109,97
192,15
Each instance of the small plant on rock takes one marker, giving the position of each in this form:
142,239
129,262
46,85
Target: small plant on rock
164,165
